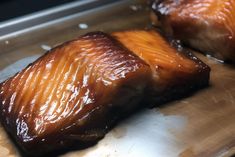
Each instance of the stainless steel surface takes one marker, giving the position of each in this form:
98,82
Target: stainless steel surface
44,16
201,125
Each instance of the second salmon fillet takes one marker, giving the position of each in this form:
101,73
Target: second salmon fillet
205,25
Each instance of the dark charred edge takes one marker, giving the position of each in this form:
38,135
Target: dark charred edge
114,116
175,93
203,67
184,51
75,145
57,149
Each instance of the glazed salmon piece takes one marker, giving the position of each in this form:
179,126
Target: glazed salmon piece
205,25
174,73
72,94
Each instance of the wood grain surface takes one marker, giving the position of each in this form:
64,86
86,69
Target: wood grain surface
202,125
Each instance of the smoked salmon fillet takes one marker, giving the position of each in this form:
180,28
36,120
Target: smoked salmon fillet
72,94
205,25
174,73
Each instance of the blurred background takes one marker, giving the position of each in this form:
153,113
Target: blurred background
14,8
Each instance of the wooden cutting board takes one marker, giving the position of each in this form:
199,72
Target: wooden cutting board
202,125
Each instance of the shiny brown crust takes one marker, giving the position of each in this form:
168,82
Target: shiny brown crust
206,25
174,73
72,94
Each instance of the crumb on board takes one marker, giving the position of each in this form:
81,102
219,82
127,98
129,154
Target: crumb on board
46,47
135,7
214,59
83,26
7,42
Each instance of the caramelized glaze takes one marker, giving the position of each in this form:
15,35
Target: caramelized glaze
174,73
72,94
206,25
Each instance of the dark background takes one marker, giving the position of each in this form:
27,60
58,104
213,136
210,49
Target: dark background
15,8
